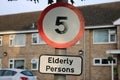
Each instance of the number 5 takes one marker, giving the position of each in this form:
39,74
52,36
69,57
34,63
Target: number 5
59,22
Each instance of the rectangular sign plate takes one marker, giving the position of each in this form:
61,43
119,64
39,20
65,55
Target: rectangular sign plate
57,64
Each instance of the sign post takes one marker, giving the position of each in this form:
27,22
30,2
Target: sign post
60,51
61,25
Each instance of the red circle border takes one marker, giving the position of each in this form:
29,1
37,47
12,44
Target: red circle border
54,44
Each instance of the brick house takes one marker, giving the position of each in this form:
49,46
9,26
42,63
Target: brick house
21,46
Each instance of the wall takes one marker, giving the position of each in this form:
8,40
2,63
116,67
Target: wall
118,46
118,37
91,51
97,51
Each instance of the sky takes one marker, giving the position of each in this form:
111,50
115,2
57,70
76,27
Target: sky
21,6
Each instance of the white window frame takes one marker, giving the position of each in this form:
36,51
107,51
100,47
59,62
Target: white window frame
13,61
36,62
12,41
39,39
1,40
101,64
97,63
110,32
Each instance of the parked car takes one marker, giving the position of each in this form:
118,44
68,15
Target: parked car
16,74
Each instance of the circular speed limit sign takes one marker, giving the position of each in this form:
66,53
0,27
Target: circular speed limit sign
61,25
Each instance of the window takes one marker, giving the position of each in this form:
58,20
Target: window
112,35
34,64
7,73
17,63
103,61
105,36
17,40
36,39
27,73
11,40
97,61
1,40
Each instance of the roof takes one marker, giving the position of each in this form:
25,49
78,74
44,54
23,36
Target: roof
102,14
18,22
94,15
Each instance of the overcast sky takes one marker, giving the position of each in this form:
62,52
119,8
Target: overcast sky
20,6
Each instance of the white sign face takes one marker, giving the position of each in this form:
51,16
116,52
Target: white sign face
60,64
63,15
61,25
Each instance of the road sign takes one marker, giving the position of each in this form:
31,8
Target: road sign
61,25
53,64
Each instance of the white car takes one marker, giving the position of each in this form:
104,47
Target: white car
16,74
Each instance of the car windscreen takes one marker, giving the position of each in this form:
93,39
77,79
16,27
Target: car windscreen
27,73
1,72
7,73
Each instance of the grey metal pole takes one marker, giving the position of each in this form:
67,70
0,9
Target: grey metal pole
59,51
84,58
112,67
